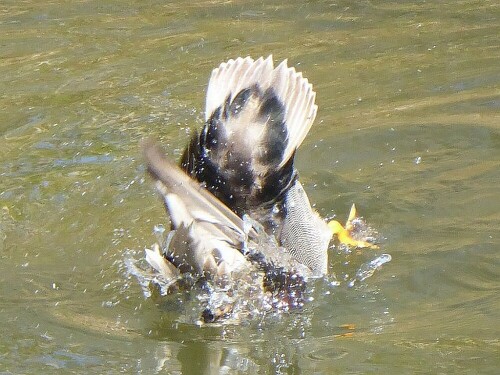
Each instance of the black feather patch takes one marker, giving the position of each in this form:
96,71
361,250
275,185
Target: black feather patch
240,100
231,168
213,131
272,111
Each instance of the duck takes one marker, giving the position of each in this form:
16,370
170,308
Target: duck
235,200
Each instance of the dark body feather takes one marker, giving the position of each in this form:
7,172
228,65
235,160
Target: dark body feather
244,175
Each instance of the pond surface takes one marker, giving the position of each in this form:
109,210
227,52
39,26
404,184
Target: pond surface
408,128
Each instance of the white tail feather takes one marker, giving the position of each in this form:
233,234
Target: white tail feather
293,90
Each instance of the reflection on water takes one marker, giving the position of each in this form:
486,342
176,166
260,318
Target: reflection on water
407,129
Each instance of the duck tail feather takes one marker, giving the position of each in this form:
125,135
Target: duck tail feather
295,96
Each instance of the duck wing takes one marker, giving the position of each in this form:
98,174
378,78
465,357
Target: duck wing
209,237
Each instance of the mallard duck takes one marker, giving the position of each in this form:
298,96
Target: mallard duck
237,179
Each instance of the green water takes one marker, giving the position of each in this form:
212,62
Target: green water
408,128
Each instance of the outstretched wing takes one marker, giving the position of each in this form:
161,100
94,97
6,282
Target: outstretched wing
210,236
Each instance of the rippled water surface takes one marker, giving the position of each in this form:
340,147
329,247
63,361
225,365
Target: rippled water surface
408,129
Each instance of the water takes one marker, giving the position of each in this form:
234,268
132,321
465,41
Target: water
408,129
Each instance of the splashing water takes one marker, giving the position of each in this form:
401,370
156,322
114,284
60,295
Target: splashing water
368,269
275,283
